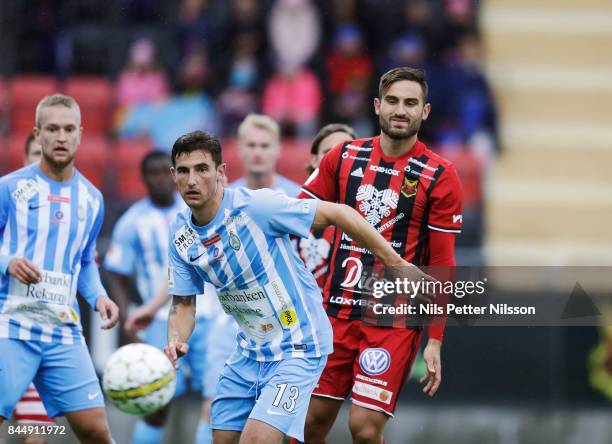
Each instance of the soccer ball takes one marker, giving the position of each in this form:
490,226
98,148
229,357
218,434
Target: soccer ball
139,379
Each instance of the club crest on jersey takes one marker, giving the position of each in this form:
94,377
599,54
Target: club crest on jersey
375,361
376,204
26,191
184,238
234,241
409,187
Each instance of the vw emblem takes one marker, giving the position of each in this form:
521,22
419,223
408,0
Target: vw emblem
375,361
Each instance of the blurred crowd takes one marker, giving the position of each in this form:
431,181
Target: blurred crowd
147,71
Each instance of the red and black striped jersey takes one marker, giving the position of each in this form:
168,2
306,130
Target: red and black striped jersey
403,197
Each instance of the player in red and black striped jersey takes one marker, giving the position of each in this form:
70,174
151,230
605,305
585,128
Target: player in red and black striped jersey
315,249
413,197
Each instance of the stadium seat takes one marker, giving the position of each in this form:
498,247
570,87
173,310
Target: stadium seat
95,97
294,160
232,159
92,156
127,157
25,92
15,148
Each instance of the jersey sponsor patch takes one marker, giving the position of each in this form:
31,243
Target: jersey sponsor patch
383,170
184,238
26,190
374,361
372,392
376,204
416,174
314,251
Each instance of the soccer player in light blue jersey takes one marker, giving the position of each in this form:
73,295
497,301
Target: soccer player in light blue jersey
139,248
259,146
50,216
238,240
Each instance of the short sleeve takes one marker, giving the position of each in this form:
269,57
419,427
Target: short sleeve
183,280
277,214
121,255
446,203
322,183
4,211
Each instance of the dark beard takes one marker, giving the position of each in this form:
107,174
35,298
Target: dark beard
55,164
385,126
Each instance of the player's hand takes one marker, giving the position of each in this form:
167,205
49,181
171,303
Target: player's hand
24,270
431,356
140,319
408,272
108,312
175,350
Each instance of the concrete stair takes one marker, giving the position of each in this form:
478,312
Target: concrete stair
550,194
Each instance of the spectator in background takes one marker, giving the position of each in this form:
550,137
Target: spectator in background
33,150
246,16
420,18
142,80
294,32
166,120
259,145
349,70
477,109
195,26
293,97
459,19
239,98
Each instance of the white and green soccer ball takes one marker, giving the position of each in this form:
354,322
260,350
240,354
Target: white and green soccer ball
139,379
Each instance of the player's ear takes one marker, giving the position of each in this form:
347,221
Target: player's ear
377,105
173,172
426,111
221,170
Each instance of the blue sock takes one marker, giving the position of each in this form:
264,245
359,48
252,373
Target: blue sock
147,434
203,433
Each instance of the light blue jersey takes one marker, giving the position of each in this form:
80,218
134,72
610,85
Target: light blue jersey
287,186
246,253
54,225
139,246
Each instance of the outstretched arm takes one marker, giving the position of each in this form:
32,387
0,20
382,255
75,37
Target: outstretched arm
181,323
353,224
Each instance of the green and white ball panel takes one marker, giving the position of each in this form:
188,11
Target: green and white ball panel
139,379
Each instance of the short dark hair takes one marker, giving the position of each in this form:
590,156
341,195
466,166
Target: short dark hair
31,138
197,140
152,156
403,73
330,129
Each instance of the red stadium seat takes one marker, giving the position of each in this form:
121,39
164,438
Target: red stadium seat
92,156
127,158
294,159
16,150
231,157
95,97
25,92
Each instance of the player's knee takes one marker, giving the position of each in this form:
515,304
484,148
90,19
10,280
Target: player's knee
364,432
96,434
